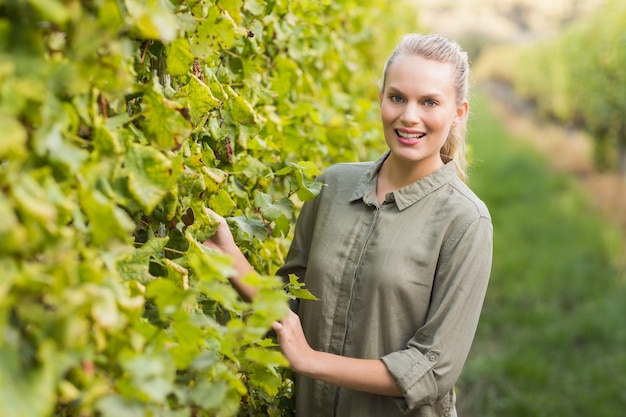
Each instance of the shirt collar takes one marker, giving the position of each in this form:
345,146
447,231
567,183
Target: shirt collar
405,196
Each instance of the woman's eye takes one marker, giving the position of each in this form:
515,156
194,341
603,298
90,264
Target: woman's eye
430,103
395,98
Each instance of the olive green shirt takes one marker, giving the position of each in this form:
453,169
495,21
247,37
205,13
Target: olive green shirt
403,281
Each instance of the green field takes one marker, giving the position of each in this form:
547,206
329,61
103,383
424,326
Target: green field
552,339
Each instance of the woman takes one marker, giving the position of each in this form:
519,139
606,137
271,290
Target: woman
398,251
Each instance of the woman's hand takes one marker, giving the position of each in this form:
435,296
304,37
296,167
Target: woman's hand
369,375
222,240
293,343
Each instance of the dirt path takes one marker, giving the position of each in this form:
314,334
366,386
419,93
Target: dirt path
568,150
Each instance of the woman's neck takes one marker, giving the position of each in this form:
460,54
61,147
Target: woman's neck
395,174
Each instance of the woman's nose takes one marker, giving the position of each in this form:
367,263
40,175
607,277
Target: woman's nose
411,114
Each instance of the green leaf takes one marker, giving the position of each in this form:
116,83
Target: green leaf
222,203
308,189
167,295
149,175
27,391
208,264
203,226
104,309
107,221
12,233
250,166
266,357
13,138
248,229
31,199
164,126
270,210
222,293
256,7
52,10
308,168
107,140
117,406
242,112
152,374
177,244
271,304
264,379
191,339
209,395
215,175
49,141
179,57
285,170
134,266
234,8
197,96
153,19
282,225
296,288
204,42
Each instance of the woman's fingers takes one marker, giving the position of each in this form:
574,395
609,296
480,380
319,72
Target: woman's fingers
292,341
223,239
289,332
292,320
221,220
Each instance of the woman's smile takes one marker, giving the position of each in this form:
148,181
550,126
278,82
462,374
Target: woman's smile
409,137
418,106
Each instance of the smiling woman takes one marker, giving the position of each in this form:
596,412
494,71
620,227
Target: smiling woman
398,252
418,105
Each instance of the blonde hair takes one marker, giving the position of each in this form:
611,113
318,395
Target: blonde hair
441,49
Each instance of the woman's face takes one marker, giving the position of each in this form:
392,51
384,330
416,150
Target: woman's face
418,106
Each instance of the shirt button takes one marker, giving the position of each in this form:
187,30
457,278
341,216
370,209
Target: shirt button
432,357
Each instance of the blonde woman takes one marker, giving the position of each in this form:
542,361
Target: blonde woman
398,251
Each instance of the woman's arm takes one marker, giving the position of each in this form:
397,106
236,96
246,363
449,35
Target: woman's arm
224,242
369,375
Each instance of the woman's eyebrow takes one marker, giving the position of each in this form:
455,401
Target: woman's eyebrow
394,90
432,94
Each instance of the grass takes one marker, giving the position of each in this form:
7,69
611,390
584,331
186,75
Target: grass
551,339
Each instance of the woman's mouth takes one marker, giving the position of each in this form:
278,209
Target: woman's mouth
409,137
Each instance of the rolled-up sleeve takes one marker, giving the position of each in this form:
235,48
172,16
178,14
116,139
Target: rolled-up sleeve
431,363
413,373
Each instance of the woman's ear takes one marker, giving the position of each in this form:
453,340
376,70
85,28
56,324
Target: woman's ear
462,109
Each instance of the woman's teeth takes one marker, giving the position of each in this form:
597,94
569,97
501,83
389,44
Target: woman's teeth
412,136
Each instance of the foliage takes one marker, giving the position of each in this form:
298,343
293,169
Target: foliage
551,331
577,78
122,120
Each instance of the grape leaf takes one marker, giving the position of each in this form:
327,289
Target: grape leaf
149,175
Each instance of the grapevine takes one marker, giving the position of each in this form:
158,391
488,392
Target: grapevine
122,120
